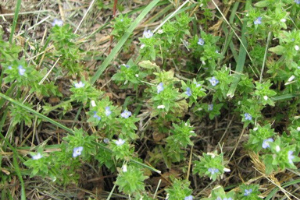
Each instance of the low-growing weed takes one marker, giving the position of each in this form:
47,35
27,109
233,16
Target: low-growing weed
187,116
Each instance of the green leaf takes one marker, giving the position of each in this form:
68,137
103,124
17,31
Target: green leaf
148,65
262,4
279,50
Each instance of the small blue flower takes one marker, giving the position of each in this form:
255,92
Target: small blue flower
200,41
79,84
9,67
21,70
188,92
160,88
107,111
213,81
210,107
247,192
291,157
197,84
297,1
266,143
248,116
213,170
189,197
119,142
125,114
37,156
127,66
148,34
77,151
57,22
257,21
96,116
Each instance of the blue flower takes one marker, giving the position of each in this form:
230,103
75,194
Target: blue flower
213,81
197,84
189,197
213,170
257,21
96,116
188,92
247,192
210,107
160,87
200,41
21,70
57,22
148,34
37,156
248,116
107,111
266,143
79,84
9,67
77,151
119,142
297,1
291,156
125,114
127,66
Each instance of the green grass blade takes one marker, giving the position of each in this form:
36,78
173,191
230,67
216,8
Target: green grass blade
241,58
3,119
284,97
13,28
122,41
275,190
229,35
228,43
16,165
18,172
37,113
145,166
159,14
7,93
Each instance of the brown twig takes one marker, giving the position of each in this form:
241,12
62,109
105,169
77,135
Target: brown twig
114,15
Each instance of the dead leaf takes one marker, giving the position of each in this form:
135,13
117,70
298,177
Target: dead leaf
211,5
157,137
